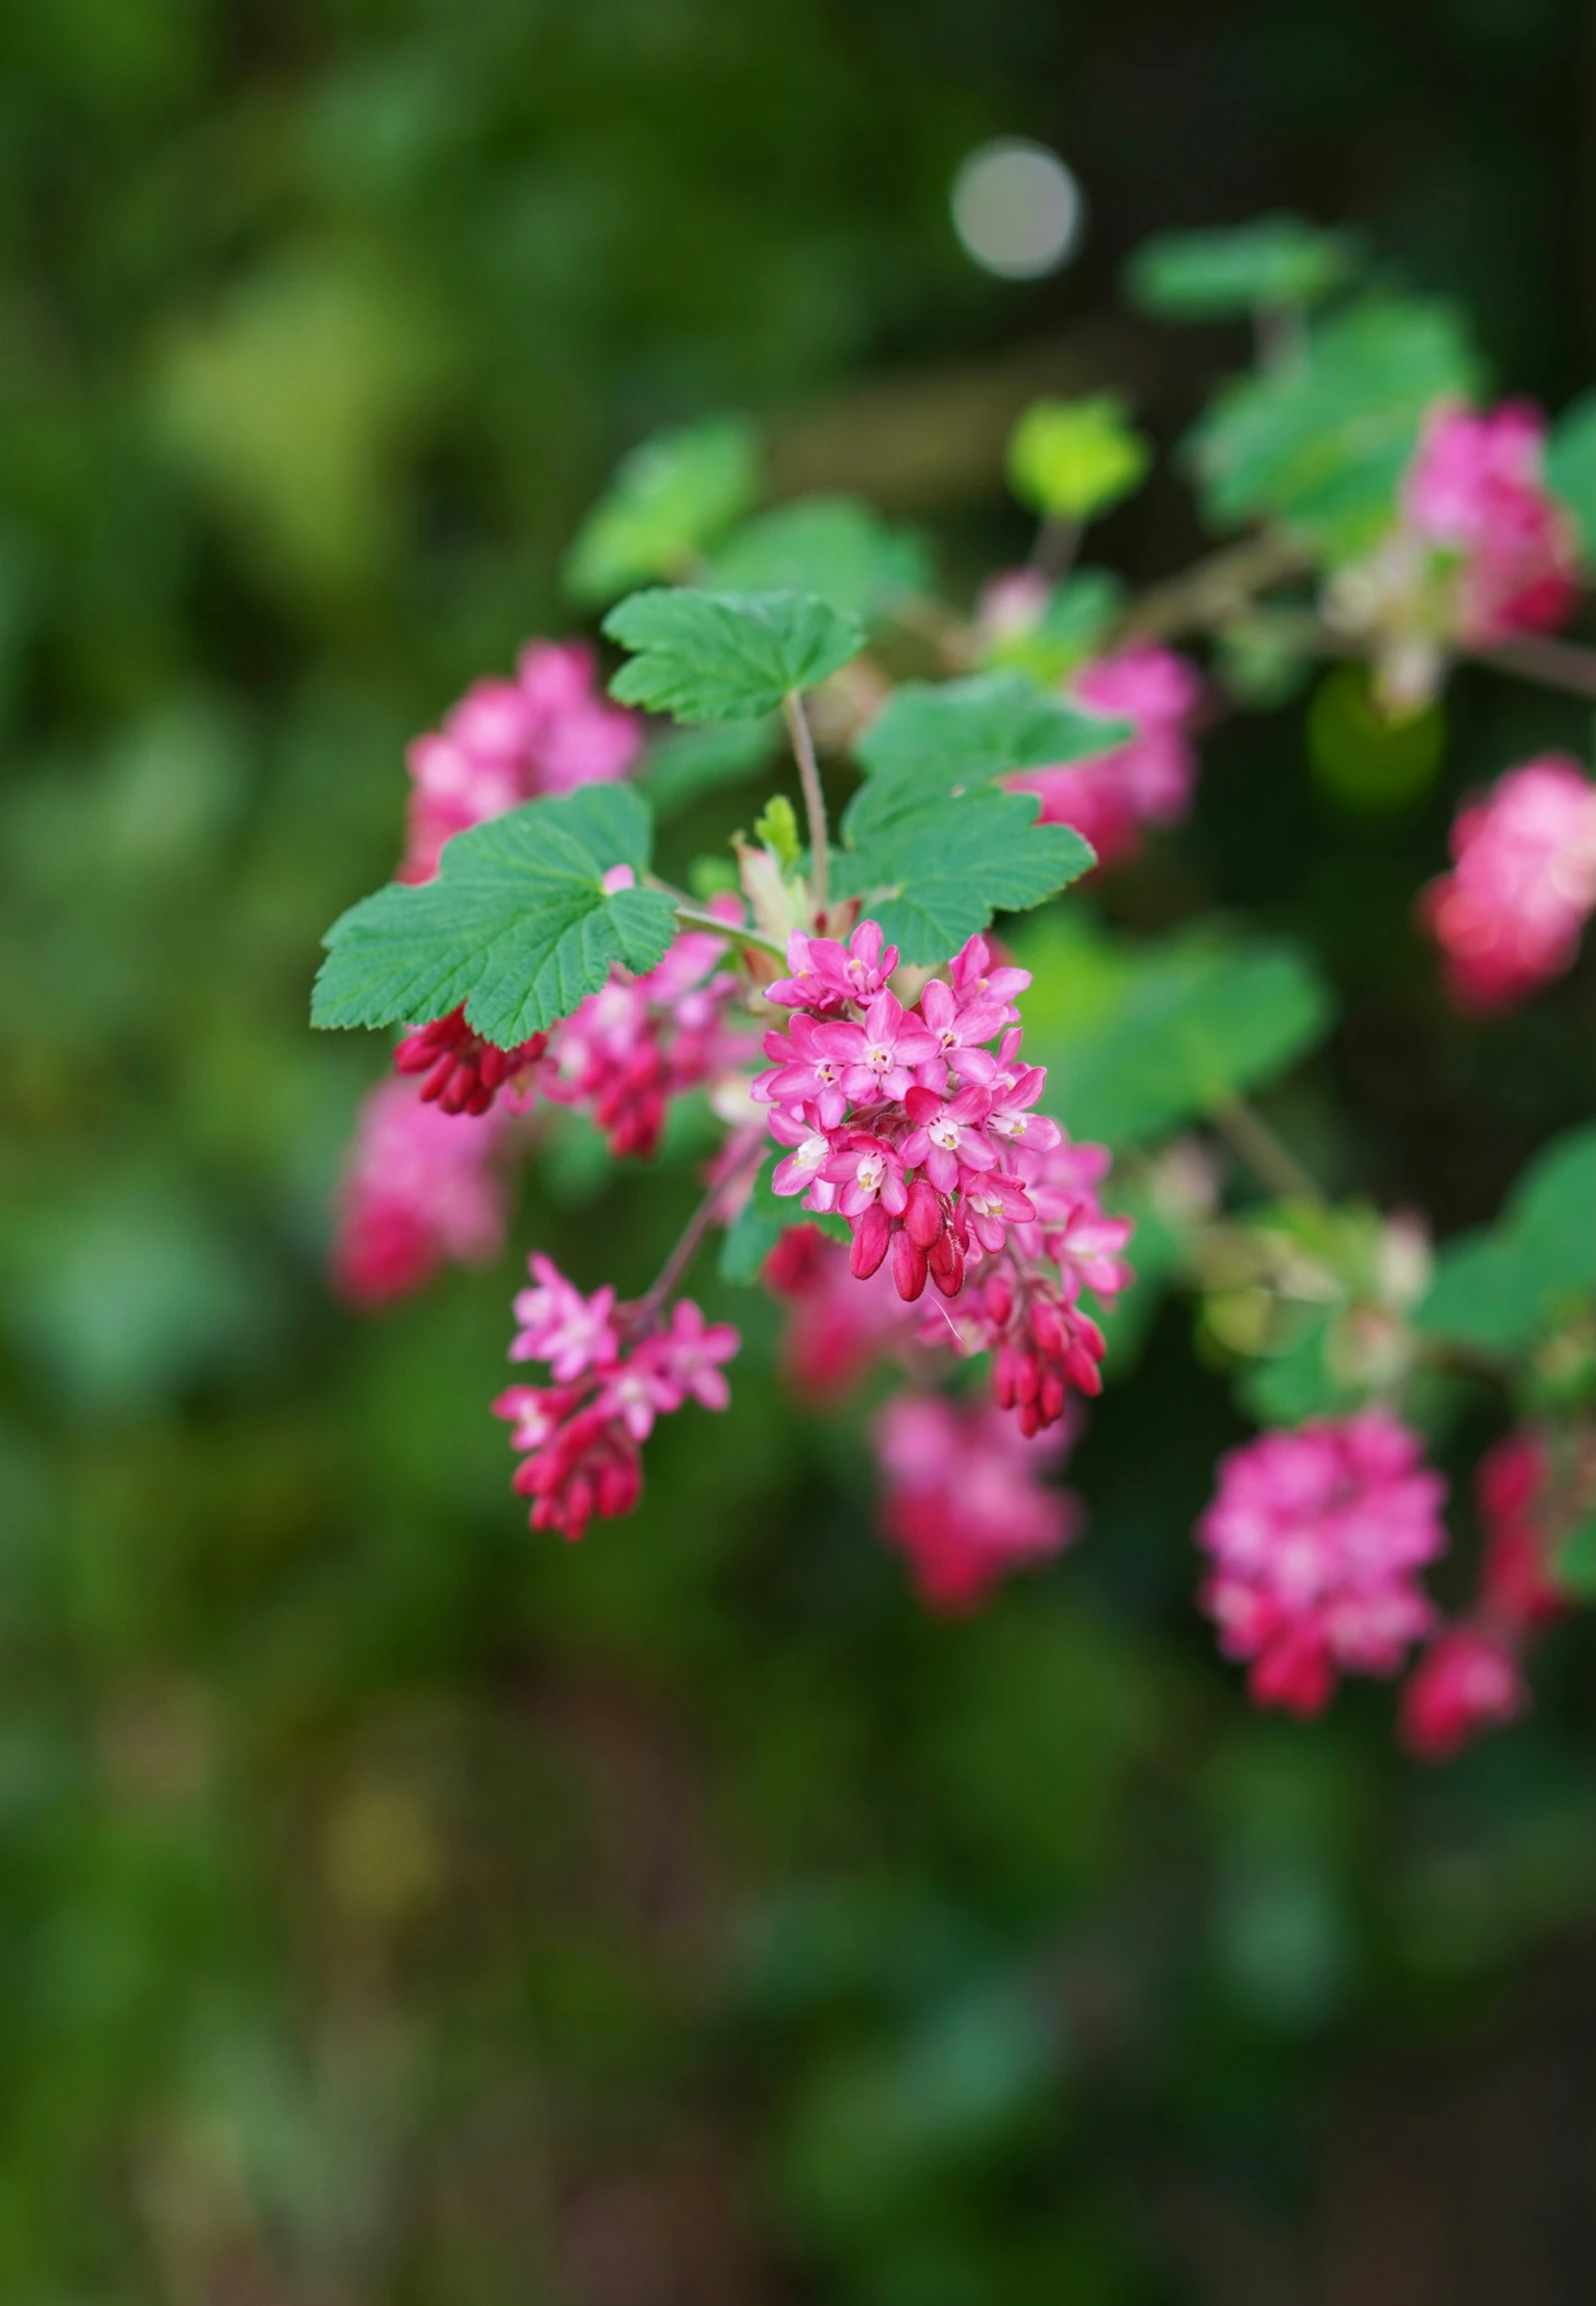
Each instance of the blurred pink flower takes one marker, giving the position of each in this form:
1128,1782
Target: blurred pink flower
1509,916
1147,782
964,1497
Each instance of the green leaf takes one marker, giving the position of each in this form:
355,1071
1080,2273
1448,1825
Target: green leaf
1499,1289
1574,1563
936,739
760,1224
1275,261
1139,1040
517,926
726,656
837,547
1071,459
1319,445
1571,468
669,499
683,764
933,870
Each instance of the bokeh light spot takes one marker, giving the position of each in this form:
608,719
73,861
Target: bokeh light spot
1017,210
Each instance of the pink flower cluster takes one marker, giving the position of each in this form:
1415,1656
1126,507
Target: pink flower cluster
1147,782
964,1497
462,1072
926,1140
628,1049
1471,1677
1509,915
615,1370
506,742
420,1188
1476,492
1316,1537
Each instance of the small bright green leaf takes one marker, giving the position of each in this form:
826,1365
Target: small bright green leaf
517,926
837,547
1072,628
1371,762
933,871
1499,1288
1275,261
939,737
1071,459
669,499
1319,445
726,656
1571,468
778,830
760,1224
687,763
1140,1039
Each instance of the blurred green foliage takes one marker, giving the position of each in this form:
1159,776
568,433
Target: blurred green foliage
393,1908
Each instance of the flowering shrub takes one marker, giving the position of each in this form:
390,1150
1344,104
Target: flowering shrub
886,1063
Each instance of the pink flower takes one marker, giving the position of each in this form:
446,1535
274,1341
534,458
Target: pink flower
803,1170
580,1438
421,1187
803,1074
975,979
631,1047
947,1137
506,742
964,1499
827,974
1468,1680
1316,1537
572,1334
1476,489
867,1170
878,1057
1509,916
1147,782
1513,1493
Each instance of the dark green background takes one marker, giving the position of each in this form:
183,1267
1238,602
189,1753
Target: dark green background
392,1908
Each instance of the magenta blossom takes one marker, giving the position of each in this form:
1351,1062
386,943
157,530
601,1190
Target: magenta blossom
421,1187
1510,913
1316,1538
964,1499
878,1057
825,973
1468,1680
572,1334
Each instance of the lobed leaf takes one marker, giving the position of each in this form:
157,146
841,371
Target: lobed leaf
1571,469
837,547
1274,261
669,499
1140,1041
518,924
1319,445
1499,1288
934,870
942,738
726,656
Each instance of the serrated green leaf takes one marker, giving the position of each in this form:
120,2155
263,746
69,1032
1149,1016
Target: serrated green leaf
683,764
726,656
1139,1040
669,499
1319,445
837,547
1499,1288
1571,468
1071,459
517,926
934,871
1274,261
936,738
760,1224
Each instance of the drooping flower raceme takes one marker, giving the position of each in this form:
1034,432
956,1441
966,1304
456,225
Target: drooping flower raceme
910,1125
1316,1537
963,1495
1109,798
1509,916
421,1187
615,1370
1481,551
547,731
